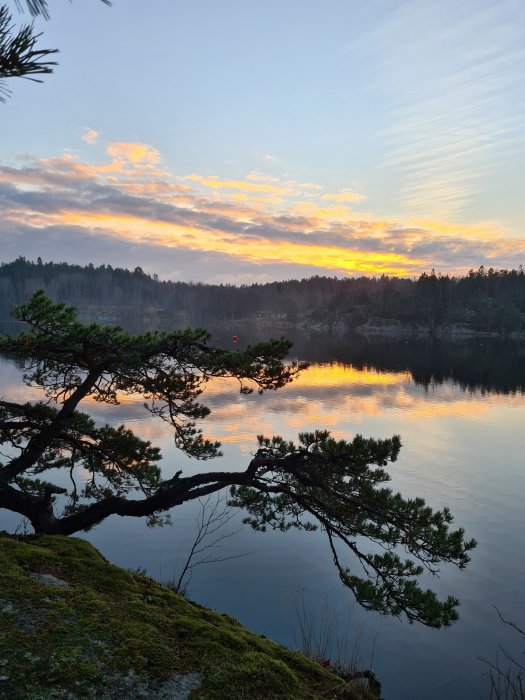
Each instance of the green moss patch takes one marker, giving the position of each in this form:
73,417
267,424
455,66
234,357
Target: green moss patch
114,634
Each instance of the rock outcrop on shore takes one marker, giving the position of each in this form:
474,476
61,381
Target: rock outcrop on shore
74,626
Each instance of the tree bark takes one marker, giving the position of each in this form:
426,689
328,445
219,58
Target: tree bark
173,492
40,442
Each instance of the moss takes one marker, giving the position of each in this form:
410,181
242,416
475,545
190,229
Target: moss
256,675
110,624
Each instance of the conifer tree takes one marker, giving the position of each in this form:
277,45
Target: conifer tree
20,57
318,481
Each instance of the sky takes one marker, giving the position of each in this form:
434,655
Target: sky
238,141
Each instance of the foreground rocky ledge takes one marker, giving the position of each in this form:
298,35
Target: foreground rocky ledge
74,626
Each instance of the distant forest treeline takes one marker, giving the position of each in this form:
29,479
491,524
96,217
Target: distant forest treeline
483,300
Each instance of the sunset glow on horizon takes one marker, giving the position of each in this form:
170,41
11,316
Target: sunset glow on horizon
337,154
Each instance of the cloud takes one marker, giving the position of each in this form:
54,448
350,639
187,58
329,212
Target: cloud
126,211
133,153
90,136
345,195
453,96
257,176
214,182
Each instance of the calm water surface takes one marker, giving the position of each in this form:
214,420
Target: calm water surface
460,411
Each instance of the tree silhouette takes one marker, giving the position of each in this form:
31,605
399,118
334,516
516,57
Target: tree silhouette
337,485
19,55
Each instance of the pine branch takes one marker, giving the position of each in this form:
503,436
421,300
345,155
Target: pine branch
40,7
18,56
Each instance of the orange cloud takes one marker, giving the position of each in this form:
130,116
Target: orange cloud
484,230
345,260
154,188
257,176
337,212
258,219
247,186
136,153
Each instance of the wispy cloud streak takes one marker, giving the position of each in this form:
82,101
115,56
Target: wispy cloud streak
451,74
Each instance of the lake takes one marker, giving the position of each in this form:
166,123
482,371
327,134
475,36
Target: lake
460,410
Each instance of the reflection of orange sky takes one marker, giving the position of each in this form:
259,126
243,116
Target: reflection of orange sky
338,397
338,374
335,374
333,396
345,413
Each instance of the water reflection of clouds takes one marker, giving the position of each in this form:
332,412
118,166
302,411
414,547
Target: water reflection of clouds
363,390
330,395
460,449
344,400
313,394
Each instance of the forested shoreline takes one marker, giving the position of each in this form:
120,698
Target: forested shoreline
482,301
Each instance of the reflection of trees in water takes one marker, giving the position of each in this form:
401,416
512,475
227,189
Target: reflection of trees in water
475,364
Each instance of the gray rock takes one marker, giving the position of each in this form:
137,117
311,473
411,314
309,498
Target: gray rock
179,687
50,580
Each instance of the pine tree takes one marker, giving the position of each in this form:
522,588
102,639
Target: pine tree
337,485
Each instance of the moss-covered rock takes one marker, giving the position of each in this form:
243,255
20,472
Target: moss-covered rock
74,626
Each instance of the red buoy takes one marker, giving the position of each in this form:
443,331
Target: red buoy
235,338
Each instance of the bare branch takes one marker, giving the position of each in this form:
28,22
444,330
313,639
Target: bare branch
213,516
